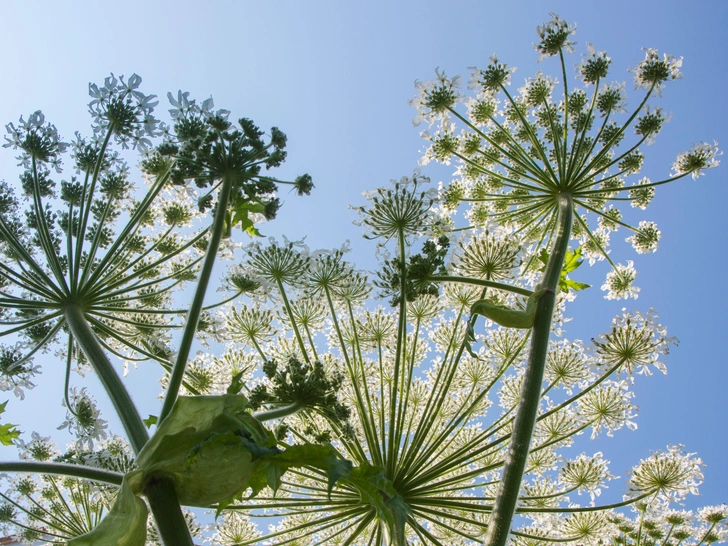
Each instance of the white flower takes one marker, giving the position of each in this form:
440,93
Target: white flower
435,98
608,407
537,90
645,239
653,72
713,514
38,141
672,474
619,283
182,104
554,36
83,419
40,448
635,342
641,197
700,157
595,245
587,474
594,66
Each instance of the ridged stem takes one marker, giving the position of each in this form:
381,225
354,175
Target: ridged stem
171,523
163,499
120,398
500,520
193,316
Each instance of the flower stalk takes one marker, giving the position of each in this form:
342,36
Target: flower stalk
161,495
193,316
120,398
167,514
63,469
499,523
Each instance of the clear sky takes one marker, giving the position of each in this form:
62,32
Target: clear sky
336,77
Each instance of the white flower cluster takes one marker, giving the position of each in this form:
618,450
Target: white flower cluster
672,474
619,283
119,107
38,141
82,419
700,157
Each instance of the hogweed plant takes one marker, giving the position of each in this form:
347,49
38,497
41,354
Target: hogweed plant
94,262
443,416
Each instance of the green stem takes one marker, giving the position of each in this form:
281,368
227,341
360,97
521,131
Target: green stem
481,282
171,523
400,354
579,509
163,499
292,318
63,469
218,226
91,347
505,504
279,413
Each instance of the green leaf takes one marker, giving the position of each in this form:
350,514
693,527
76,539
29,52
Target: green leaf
572,262
124,525
271,468
257,483
400,510
375,489
241,209
253,231
205,446
273,477
337,468
236,385
324,457
213,450
576,286
150,421
8,432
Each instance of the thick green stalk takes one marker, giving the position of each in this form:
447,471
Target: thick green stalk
123,404
162,500
63,469
505,505
193,316
165,507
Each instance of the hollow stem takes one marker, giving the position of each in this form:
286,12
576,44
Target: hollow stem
171,523
123,404
505,504
193,316
162,499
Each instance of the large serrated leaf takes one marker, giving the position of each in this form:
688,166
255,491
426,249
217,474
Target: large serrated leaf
213,450
572,261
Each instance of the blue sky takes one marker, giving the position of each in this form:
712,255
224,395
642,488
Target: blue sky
336,78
